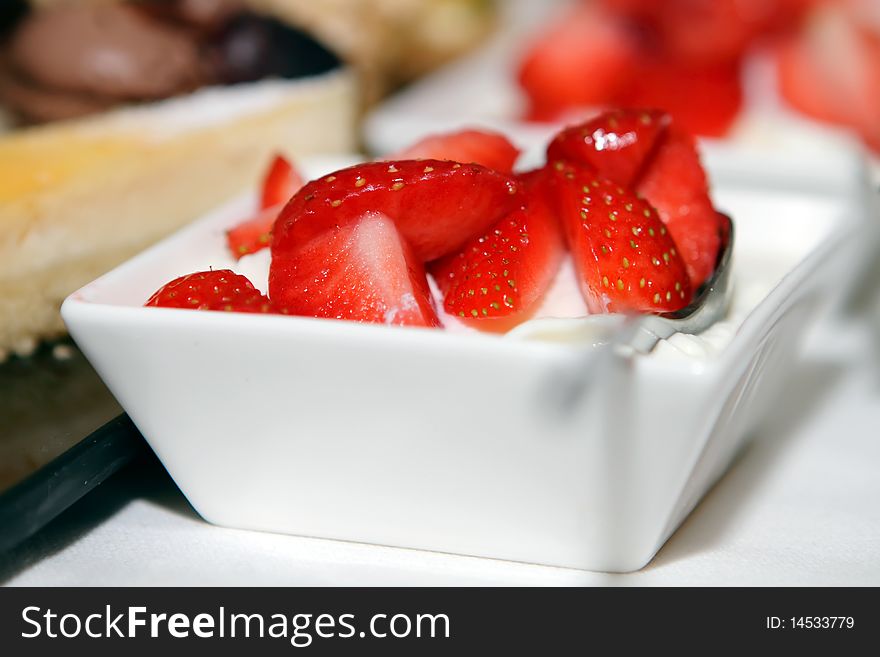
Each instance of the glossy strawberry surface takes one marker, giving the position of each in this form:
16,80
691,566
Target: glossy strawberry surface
625,258
219,289
361,270
504,273
674,182
616,143
436,205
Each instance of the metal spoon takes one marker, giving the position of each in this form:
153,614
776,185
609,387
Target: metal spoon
707,307
623,335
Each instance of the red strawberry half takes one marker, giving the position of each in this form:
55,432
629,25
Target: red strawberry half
491,149
624,255
281,182
617,143
499,278
675,184
435,205
219,289
361,270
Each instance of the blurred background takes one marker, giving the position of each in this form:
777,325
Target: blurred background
706,61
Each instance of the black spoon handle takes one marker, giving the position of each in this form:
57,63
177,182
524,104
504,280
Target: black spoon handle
34,502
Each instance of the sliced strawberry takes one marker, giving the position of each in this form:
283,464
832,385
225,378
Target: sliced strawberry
583,59
219,289
504,274
361,270
675,184
491,149
253,234
282,181
436,205
615,143
663,164
624,255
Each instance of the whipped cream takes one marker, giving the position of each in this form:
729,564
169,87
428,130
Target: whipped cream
255,267
562,315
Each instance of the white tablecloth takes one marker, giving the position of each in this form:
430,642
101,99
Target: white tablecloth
800,506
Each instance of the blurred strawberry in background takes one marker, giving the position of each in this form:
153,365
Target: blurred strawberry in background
586,58
686,56
830,69
704,98
709,31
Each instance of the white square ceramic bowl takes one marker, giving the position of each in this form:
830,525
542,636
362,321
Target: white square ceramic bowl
461,443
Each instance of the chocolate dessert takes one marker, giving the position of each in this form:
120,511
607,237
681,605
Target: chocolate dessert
77,59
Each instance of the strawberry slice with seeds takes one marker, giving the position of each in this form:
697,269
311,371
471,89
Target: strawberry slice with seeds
662,164
253,234
615,143
500,277
280,183
435,205
675,184
490,149
219,289
625,258
361,270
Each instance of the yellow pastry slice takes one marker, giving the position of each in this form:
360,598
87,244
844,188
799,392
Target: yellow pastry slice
78,197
